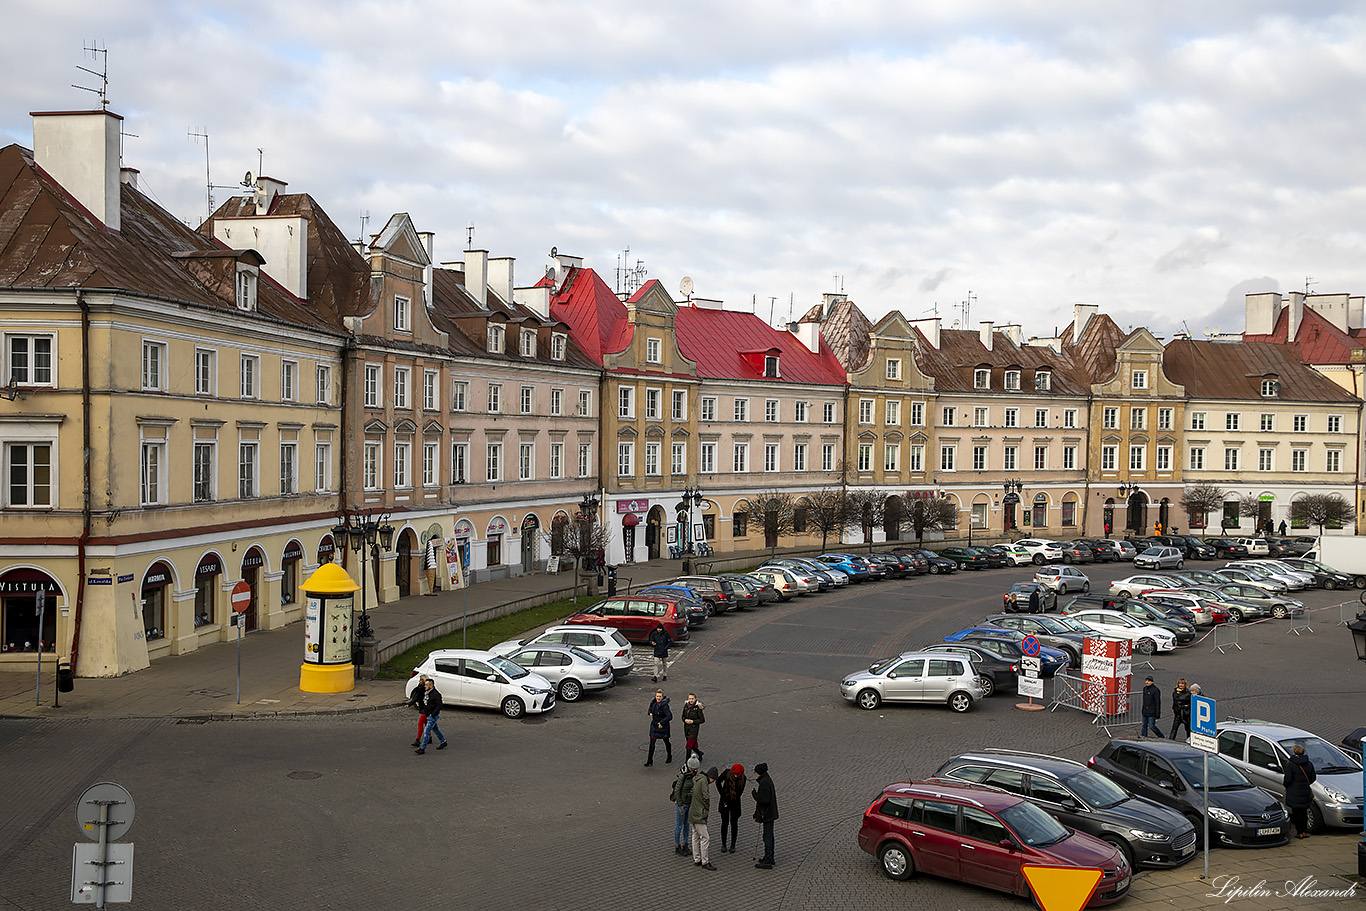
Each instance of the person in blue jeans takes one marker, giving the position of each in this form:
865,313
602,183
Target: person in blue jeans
682,797
431,707
1152,709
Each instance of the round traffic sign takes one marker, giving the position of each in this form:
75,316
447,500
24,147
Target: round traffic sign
121,811
241,596
1030,646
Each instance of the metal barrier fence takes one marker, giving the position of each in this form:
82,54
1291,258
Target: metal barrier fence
1226,637
1347,612
1299,621
1107,710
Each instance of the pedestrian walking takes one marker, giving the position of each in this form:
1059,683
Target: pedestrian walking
731,788
429,557
431,707
1284,528
697,818
681,794
1152,709
1035,601
765,812
662,641
1181,708
660,716
419,692
693,719
1299,797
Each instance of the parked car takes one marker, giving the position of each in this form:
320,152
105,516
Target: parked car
1146,833
717,592
1189,545
938,564
915,677
996,556
1130,586
1160,558
1154,615
1261,750
786,583
996,674
1146,637
1241,815
1188,577
1296,547
478,679
1278,606
923,826
1062,579
824,580
917,559
602,641
1237,610
1324,576
1351,742
697,610
1048,599
1041,550
746,592
965,557
1016,555
1123,549
572,671
637,615
1200,612
1248,571
1256,547
1101,551
1050,631
1226,549
1076,552
895,567
855,571
1006,643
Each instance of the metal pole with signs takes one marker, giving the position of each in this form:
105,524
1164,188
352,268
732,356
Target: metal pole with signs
1030,683
104,813
1203,736
40,607
241,600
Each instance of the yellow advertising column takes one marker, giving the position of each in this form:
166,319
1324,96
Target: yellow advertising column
329,597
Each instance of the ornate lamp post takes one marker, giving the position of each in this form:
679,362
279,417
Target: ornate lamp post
692,496
1126,490
367,535
1013,488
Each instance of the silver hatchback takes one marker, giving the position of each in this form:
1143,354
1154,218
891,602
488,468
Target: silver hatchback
1261,749
915,677
572,671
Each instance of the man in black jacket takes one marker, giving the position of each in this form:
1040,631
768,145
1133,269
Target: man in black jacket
661,640
1152,709
431,707
765,812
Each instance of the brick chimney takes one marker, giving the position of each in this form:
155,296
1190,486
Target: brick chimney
80,150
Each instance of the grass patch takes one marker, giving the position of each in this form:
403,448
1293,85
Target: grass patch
480,635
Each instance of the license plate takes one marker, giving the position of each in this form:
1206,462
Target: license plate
1188,850
1122,884
1275,830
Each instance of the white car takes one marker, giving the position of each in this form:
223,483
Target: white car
601,641
1146,639
1280,566
1255,578
1256,547
1016,555
785,582
469,677
1133,586
1041,550
1124,550
1063,579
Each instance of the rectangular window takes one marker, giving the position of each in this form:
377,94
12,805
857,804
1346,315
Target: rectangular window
949,414
322,467
979,417
708,458
1266,460
246,470
981,379
430,463
585,403
709,409
680,405
1012,417
917,460
893,368
799,412
1231,420
430,393
402,308
289,468
1268,422
626,402
153,466
1012,379
799,457
1110,418
495,398
1069,458
653,350
1197,458
652,467
29,359
1010,459
652,404
558,343
1040,417
1164,458
528,399
528,343
626,460
1231,459
829,412
401,387
742,409
585,459
770,365
894,413
556,461
740,462
979,458
1197,420
495,339
153,364
678,458
1164,418
1040,458
493,461
203,472
770,457
1138,458
372,385
28,471
917,414
865,411
1069,513
771,411
1298,459
739,525
402,465
205,376
1109,457
1043,380
289,380
891,457
323,376
1335,423
865,456
827,457
1140,380
1300,423
946,457
370,466
557,402
460,391
1069,417
1138,419
460,458
526,461
1333,460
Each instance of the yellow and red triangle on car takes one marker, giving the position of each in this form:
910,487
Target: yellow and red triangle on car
1059,888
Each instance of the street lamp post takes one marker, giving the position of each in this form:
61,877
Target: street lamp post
1013,488
692,496
367,535
588,512
1126,490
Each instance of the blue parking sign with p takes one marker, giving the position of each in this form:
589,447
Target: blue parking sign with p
1202,715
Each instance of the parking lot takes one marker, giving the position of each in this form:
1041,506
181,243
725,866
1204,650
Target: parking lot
559,809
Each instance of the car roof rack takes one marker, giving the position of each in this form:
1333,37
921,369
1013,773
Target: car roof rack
1025,753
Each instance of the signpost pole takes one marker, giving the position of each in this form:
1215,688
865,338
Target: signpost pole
1205,759
40,609
239,658
1204,736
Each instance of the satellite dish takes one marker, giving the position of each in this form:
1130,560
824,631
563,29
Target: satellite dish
685,287
249,180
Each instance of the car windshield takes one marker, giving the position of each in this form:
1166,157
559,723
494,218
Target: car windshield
1097,790
1032,826
1053,624
1222,776
1071,625
877,667
513,671
1327,759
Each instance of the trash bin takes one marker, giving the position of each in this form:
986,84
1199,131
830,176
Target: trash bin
66,680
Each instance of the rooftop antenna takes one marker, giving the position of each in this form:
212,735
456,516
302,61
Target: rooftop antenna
791,303
209,185
1308,282
469,236
94,50
965,309
772,302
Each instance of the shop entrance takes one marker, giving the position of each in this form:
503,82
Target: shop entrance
654,522
155,586
206,576
530,529
403,567
251,574
19,614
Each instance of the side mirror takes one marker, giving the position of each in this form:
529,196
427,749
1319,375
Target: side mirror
1007,844
1071,806
1166,786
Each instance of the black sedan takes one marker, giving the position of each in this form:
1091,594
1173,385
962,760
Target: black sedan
996,673
1241,815
938,564
1102,551
1225,549
918,561
996,557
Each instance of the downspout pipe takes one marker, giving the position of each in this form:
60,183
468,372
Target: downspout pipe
85,477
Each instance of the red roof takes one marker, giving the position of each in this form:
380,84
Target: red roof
595,315
718,341
1317,341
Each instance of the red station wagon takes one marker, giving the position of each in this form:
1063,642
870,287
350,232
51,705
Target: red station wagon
637,615
981,836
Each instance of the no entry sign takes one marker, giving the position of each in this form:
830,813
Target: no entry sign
241,597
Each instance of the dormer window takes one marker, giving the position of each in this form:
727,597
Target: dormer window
402,309
495,341
1140,379
1012,379
528,343
653,351
771,365
1271,388
558,343
981,378
246,287
1043,380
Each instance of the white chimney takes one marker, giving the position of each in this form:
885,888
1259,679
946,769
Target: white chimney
129,176
809,334
80,150
429,244
500,276
267,188
282,240
477,275
930,329
1014,332
563,263
1296,315
984,332
536,298
1081,315
1355,306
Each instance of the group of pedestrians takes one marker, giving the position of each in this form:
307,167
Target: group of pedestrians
691,797
1181,708
427,698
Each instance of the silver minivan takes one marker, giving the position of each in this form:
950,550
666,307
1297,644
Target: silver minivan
915,677
1260,750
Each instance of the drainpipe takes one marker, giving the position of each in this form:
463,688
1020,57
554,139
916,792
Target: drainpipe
85,476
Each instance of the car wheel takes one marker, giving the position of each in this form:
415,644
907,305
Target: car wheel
896,861
1180,563
1330,584
1279,611
1085,588
988,686
960,702
868,699
1067,558
1122,847
1062,588
1235,615
1315,821
1073,658
962,566
1199,829
1038,559
1146,646
571,690
1122,594
934,568
513,707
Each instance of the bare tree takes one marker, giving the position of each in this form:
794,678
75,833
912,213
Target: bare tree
931,514
827,514
1322,509
1250,506
777,508
583,541
865,510
1201,500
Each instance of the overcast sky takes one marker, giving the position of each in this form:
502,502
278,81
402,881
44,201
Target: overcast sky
1159,159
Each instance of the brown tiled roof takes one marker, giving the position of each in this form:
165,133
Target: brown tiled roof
848,332
1095,354
961,352
456,313
1235,370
